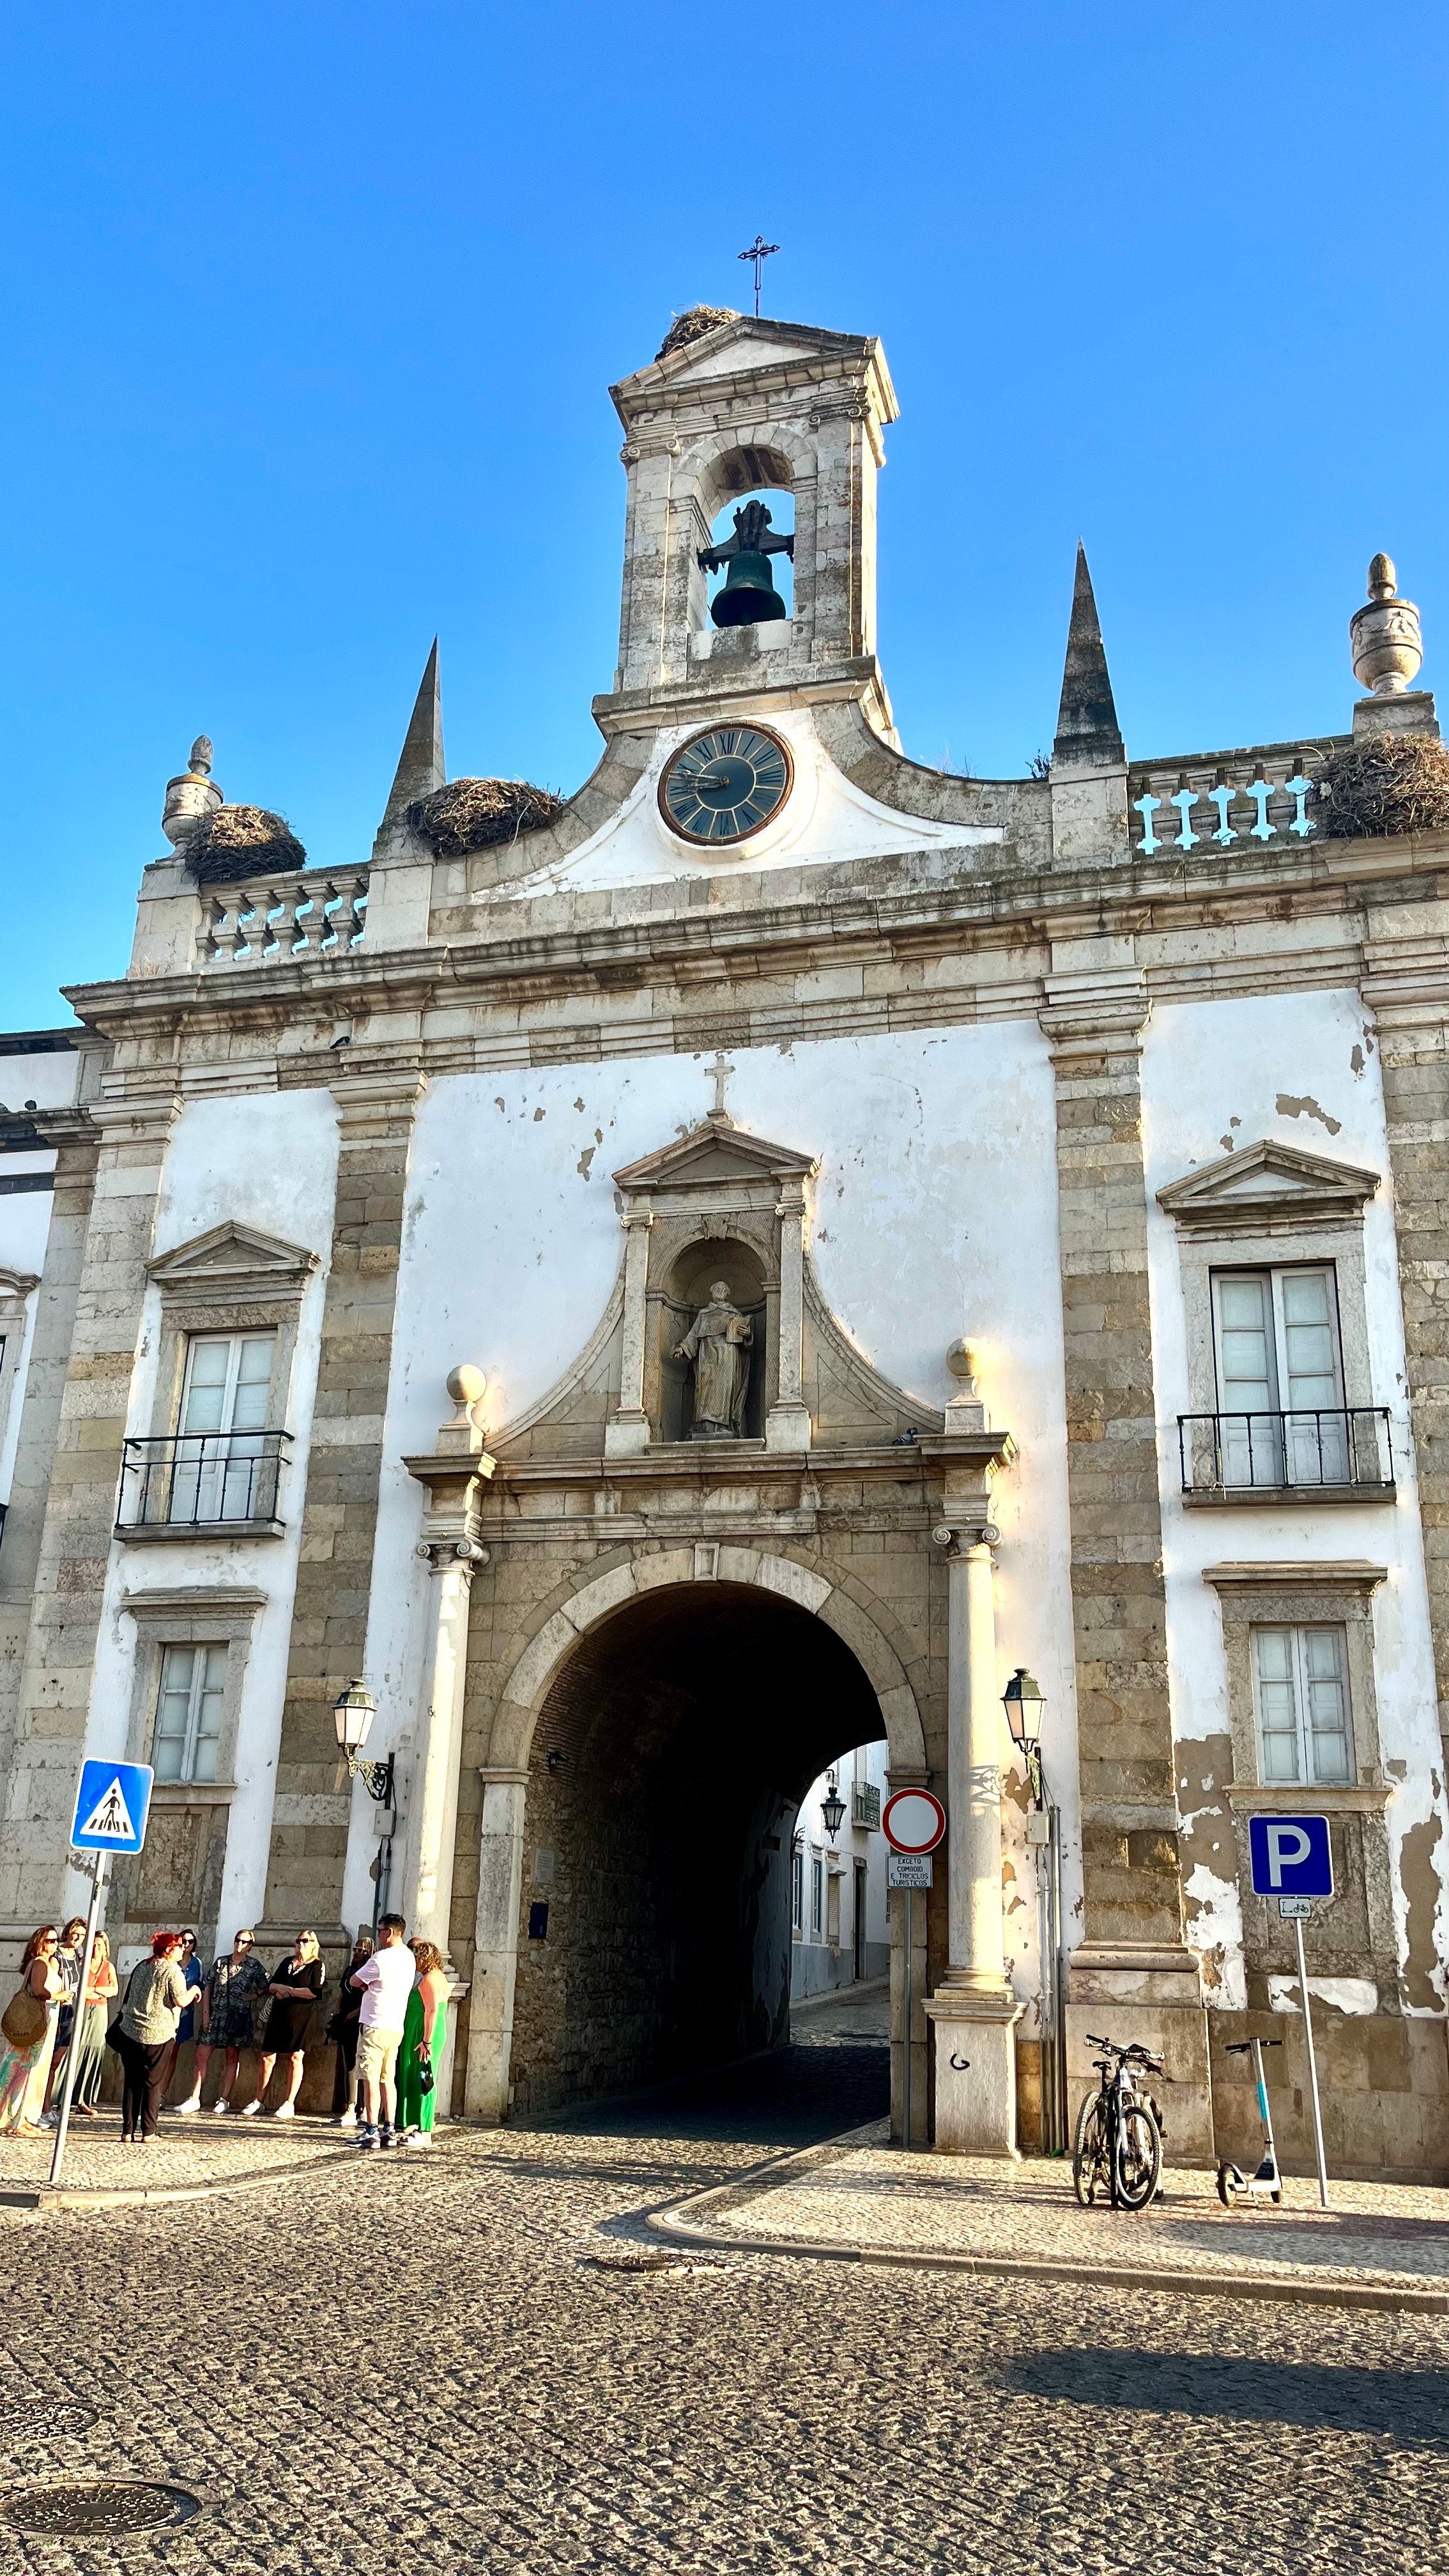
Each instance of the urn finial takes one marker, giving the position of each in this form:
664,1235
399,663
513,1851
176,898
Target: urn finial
192,796
1387,645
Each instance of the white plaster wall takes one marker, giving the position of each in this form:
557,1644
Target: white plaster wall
936,1215
24,1236
825,818
1212,1078
46,1081
269,1161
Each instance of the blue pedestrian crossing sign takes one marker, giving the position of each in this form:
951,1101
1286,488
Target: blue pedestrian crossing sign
111,1801
1290,1855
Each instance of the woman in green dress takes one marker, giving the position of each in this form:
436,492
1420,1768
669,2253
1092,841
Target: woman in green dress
421,2047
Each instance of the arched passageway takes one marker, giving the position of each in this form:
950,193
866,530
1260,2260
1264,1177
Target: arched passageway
667,1763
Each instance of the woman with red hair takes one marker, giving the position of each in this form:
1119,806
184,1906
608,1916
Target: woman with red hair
156,1997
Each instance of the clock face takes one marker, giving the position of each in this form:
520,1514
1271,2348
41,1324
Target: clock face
725,784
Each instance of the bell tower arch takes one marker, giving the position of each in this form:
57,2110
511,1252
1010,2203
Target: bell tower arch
745,406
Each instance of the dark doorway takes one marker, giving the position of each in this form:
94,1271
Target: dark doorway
857,1923
667,1766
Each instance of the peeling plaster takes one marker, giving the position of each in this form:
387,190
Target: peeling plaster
1306,1107
1215,1931
1423,1888
1357,1996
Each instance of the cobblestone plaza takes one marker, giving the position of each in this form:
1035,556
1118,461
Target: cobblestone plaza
431,2362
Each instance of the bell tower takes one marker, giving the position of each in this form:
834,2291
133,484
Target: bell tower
735,406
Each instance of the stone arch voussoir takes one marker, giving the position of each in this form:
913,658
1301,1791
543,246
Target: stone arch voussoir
596,1595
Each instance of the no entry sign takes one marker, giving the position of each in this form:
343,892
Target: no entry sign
913,1820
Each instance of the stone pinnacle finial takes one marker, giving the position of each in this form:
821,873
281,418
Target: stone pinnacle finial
192,796
1087,727
1387,645
421,767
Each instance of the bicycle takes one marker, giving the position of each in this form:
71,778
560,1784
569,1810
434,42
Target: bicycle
1118,2142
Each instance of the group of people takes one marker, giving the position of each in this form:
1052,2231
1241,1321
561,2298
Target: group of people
387,2030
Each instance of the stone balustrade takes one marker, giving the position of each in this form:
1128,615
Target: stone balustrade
318,912
1227,800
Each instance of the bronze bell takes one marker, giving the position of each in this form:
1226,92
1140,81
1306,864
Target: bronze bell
749,596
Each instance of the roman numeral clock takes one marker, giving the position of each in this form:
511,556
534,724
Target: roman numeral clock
725,784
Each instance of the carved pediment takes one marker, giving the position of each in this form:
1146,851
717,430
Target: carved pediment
1269,1188
233,1261
714,1155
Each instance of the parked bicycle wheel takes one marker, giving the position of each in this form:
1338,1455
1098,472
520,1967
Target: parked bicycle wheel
1137,2157
1090,2173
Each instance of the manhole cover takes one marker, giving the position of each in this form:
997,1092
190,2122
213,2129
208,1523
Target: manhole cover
102,2504
652,2259
36,2417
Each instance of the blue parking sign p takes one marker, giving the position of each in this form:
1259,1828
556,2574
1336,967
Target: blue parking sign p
111,1801
1290,1855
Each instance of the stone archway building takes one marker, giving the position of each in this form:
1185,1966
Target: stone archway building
1074,1173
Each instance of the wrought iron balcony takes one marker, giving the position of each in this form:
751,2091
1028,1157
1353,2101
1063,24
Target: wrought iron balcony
1312,1456
202,1481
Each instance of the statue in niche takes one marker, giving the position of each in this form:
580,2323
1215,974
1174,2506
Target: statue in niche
718,1343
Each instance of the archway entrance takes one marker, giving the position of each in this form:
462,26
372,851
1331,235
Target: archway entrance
669,1758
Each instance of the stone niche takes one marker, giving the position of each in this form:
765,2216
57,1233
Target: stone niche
716,1205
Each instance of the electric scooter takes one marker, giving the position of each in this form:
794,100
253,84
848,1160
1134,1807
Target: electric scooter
1267,2182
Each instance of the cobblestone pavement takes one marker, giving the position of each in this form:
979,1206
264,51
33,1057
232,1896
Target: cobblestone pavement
186,2152
1380,2234
413,2363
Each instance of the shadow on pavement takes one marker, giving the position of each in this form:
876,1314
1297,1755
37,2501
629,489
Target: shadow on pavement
1411,2405
793,2097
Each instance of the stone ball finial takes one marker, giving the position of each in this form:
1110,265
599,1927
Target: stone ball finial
467,1386
961,1360
1385,638
192,797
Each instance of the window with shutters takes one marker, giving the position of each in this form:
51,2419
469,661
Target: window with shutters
1300,1687
1280,1376
190,1704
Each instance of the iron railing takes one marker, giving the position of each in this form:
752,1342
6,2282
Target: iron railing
1302,1452
202,1480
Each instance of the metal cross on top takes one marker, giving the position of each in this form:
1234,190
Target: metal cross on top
721,1069
759,251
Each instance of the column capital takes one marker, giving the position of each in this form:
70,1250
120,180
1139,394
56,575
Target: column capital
1085,1012
375,1102
959,1539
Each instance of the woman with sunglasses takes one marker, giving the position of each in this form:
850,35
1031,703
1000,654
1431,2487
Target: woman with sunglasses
235,1986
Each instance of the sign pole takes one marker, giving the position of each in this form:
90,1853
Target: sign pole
1312,2067
72,2055
906,2017
913,1822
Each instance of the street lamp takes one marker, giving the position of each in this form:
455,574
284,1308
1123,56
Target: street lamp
352,1714
832,1808
1023,1703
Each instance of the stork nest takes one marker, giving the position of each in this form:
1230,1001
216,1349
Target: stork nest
477,813
241,841
1391,782
693,326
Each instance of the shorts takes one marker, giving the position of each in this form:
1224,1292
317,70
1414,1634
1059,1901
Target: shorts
376,2050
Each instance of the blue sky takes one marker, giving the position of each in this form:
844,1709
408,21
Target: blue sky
310,315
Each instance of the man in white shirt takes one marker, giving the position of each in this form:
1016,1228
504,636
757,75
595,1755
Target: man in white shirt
386,1981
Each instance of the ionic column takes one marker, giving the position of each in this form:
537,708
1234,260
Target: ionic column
426,1887
973,2011
627,1433
787,1424
454,1476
